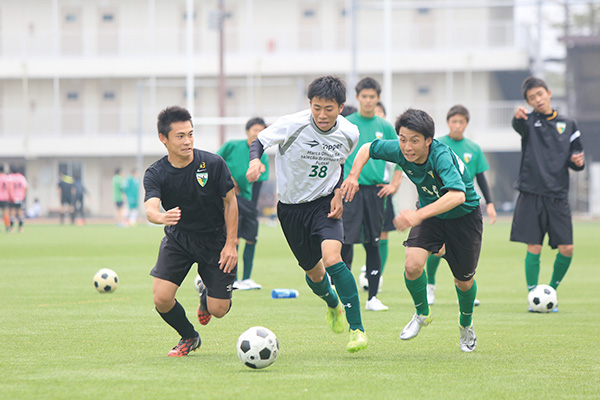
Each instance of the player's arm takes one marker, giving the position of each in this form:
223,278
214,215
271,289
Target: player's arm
350,185
228,258
255,167
487,195
577,160
392,187
410,218
154,215
519,121
337,205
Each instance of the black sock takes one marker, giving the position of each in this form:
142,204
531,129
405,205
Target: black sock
373,268
178,321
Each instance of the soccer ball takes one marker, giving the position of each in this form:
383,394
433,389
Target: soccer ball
258,347
363,282
106,281
542,298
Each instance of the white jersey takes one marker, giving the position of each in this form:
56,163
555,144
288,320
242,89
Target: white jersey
308,161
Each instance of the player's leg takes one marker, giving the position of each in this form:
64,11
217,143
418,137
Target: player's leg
373,277
373,216
415,279
20,217
388,226
532,265
250,234
560,234
383,250
317,281
433,262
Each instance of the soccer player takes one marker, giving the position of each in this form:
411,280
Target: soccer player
457,119
65,193
448,214
363,217
4,197
236,155
550,145
118,189
312,147
18,191
197,192
132,190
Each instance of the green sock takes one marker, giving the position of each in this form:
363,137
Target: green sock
466,303
532,269
348,292
248,259
383,252
324,290
418,291
561,265
432,265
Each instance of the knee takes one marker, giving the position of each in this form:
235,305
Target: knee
464,286
412,270
163,303
566,250
534,248
220,308
329,260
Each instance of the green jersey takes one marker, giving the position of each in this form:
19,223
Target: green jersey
132,190
370,129
236,155
442,171
469,152
118,187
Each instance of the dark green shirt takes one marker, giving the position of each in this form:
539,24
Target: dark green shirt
236,155
442,171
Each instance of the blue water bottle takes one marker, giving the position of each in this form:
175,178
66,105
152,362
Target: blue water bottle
284,293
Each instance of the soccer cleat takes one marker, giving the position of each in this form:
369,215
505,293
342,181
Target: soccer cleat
468,340
203,313
358,341
239,285
414,326
430,294
250,284
184,346
375,305
335,318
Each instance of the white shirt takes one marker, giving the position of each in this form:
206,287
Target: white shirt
308,161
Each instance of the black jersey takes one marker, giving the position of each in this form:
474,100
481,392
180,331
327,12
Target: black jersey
547,144
197,189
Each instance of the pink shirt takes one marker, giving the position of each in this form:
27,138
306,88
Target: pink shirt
18,187
4,187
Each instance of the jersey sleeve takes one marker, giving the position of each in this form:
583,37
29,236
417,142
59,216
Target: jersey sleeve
482,164
151,184
576,146
224,150
521,126
265,175
450,169
275,133
388,150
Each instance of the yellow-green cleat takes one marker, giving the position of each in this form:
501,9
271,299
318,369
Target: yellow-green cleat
358,341
335,318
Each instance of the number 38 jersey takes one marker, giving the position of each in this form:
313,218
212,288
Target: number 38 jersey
308,160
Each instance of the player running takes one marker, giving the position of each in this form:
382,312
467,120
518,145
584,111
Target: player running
448,214
312,146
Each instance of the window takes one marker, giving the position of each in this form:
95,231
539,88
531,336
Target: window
72,96
71,18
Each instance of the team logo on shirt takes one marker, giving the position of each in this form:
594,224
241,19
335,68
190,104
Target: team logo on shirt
379,135
312,143
560,127
201,177
468,157
431,174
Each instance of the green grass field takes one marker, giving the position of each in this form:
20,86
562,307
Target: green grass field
60,339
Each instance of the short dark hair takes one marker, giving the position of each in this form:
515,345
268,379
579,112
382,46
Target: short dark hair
458,110
416,120
348,109
328,87
532,82
255,121
368,83
169,115
117,171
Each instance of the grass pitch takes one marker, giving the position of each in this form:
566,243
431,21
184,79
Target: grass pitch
60,339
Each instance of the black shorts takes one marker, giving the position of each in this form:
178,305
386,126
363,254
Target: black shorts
306,226
66,200
462,237
16,206
247,219
363,216
388,215
179,250
537,215
3,204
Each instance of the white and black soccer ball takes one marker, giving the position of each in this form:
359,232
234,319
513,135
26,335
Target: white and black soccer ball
363,282
257,347
106,281
542,298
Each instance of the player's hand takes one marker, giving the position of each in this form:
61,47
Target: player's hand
349,188
407,219
172,216
521,113
337,206
228,258
386,190
255,170
491,210
577,159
